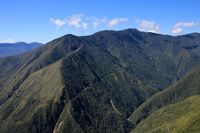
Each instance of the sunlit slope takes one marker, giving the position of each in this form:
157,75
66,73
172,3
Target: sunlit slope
181,117
178,92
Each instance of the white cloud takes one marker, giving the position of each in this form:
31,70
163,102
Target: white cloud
116,21
180,26
149,26
186,24
58,22
96,22
107,22
80,21
74,20
8,41
85,25
177,30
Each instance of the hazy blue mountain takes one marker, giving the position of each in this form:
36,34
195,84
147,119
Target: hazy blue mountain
9,49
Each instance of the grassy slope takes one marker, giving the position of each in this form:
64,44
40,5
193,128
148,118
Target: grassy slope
44,84
188,86
181,117
32,100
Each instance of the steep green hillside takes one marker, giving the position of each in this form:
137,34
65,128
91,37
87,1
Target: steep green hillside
90,83
188,86
27,109
181,117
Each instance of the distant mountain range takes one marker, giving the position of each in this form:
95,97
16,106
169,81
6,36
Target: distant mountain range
108,82
9,49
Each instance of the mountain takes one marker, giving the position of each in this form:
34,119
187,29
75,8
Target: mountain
183,116
9,49
176,109
91,83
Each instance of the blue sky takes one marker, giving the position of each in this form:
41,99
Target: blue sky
44,20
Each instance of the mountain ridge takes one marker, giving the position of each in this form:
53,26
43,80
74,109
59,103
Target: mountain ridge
125,67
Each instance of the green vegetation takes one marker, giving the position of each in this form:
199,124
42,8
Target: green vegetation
186,87
94,83
181,117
